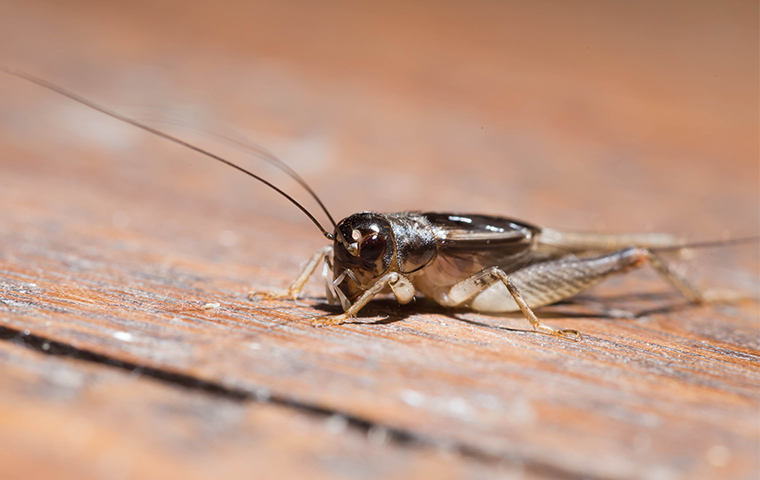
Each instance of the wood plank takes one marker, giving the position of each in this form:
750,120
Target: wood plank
65,418
113,242
674,382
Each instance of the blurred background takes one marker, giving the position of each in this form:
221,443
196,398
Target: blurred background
594,115
585,115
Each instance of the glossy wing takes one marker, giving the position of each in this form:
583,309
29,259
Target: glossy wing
468,243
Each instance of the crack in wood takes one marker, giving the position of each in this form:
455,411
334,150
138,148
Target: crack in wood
397,436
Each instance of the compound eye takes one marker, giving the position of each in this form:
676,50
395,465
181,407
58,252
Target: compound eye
371,247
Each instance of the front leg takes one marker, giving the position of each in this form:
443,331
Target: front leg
401,287
295,288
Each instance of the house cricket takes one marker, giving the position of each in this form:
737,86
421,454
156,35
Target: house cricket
489,264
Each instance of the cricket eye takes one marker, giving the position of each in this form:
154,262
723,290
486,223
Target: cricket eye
372,247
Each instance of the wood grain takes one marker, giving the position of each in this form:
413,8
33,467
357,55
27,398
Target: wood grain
596,118
68,419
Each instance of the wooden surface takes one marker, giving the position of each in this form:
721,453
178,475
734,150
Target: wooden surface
596,116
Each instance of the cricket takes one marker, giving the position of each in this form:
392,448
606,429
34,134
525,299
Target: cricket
485,263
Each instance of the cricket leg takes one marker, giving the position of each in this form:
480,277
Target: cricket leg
555,280
557,242
470,289
683,286
295,288
694,295
401,287
548,282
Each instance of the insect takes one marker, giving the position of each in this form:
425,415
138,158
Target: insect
486,263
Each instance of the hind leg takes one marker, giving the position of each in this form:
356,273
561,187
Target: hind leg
549,282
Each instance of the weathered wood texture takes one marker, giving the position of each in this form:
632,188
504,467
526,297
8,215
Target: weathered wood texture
587,116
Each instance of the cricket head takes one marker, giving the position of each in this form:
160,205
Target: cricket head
362,253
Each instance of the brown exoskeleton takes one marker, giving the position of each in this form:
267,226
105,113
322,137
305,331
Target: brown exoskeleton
486,263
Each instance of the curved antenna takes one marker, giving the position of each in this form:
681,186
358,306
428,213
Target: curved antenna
264,154
246,145
110,113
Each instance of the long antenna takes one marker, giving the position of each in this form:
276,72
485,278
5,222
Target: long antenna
54,88
246,145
